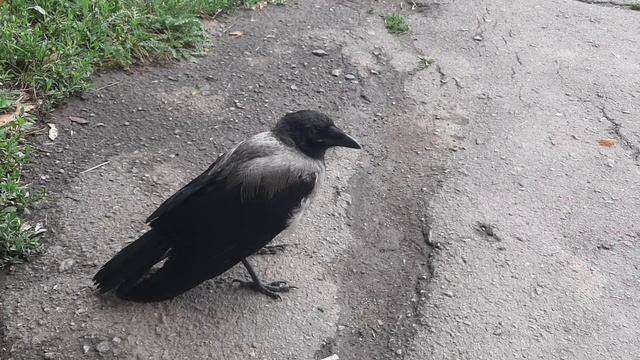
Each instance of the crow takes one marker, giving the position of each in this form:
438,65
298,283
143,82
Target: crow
237,206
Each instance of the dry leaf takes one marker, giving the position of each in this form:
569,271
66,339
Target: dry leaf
25,108
78,120
606,142
5,118
54,57
236,33
20,109
39,229
53,131
260,5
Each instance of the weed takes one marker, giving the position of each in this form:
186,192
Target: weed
396,24
635,6
424,62
7,100
18,240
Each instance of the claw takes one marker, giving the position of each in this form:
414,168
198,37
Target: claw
269,289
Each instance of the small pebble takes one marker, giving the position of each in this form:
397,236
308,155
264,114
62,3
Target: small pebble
350,77
332,357
319,52
66,265
103,347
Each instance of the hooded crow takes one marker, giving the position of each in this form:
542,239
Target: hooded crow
238,205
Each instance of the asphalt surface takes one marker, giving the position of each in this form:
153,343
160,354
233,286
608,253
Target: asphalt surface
542,85
492,214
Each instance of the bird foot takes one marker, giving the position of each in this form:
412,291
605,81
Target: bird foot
272,249
270,289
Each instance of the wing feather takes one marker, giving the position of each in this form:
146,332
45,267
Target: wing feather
259,167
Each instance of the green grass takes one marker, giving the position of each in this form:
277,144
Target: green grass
396,24
6,102
635,6
50,48
18,240
424,62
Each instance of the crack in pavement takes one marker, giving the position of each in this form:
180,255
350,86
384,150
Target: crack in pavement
518,58
615,4
616,129
443,76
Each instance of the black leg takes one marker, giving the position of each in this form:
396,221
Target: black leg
271,289
272,249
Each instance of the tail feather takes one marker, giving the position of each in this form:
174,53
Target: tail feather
174,278
183,270
129,265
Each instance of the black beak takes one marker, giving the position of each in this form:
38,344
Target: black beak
337,137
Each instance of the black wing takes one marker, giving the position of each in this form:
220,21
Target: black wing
216,226
196,184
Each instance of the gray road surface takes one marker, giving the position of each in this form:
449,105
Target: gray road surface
493,213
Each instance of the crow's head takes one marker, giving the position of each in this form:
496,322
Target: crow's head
312,133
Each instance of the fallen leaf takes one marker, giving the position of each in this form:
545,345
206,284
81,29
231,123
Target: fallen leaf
53,131
20,109
236,33
23,108
5,118
606,142
27,107
55,56
78,120
39,229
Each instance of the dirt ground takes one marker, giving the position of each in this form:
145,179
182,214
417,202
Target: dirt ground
493,212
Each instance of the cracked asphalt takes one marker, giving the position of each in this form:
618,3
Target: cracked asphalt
492,214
